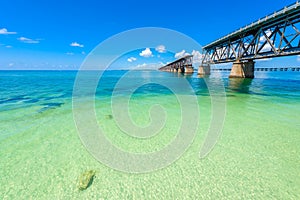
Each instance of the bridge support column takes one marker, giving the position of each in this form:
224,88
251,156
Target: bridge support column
189,70
181,70
242,69
204,70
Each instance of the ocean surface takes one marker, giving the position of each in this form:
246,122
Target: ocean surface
257,155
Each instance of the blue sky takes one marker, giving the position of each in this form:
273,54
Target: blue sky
59,34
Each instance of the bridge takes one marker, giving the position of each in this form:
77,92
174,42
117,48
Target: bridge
182,65
275,35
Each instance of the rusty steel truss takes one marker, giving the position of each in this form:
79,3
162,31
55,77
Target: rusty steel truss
273,36
179,65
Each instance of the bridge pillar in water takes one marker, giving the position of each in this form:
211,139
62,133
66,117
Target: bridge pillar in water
204,70
189,70
181,70
242,69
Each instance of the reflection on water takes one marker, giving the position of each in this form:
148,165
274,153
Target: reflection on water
240,85
176,74
202,76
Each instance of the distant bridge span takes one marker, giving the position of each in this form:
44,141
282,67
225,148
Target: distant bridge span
273,36
182,65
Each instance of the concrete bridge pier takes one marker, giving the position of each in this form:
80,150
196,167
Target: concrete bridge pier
189,70
242,69
181,70
204,70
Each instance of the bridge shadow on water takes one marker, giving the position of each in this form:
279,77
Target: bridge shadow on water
182,75
239,85
233,86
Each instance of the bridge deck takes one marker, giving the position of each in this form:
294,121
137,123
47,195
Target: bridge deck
263,22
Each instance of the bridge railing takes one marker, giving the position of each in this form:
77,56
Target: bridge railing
275,14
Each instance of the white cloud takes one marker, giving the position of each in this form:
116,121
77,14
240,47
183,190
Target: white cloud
148,66
146,53
76,44
267,47
181,54
141,65
83,53
298,58
197,56
161,49
263,38
70,53
11,64
4,31
7,46
131,59
28,40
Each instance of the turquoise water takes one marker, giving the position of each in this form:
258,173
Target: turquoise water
256,157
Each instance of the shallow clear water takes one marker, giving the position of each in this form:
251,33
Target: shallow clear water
256,157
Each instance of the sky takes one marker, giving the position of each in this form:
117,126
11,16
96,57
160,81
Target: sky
59,34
